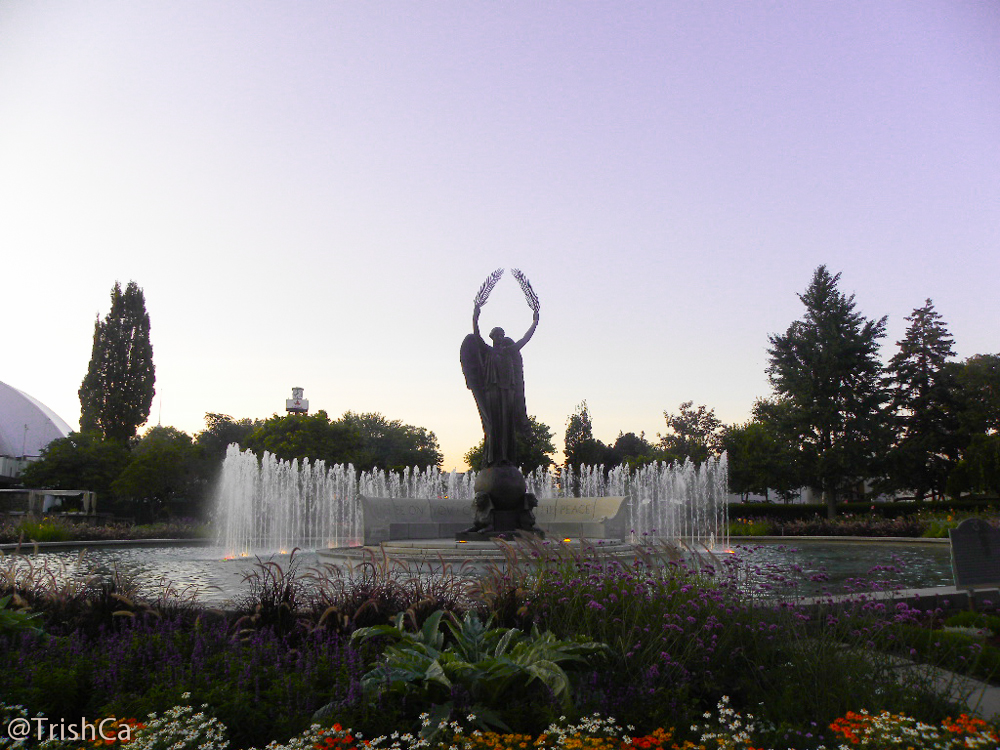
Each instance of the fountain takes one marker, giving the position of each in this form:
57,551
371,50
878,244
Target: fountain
273,505
266,504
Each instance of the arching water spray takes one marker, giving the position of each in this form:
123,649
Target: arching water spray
266,505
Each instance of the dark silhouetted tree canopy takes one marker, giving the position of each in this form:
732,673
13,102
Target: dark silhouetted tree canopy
117,392
693,433
924,401
826,368
531,453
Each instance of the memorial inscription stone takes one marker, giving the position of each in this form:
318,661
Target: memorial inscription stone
975,554
394,518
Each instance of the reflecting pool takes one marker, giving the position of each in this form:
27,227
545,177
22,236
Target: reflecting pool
201,572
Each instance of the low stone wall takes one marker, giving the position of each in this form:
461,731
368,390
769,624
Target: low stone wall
397,518
393,518
587,517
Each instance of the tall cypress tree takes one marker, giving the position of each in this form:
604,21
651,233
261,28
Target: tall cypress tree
826,367
925,405
117,392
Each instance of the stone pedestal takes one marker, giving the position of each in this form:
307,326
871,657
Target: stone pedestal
502,505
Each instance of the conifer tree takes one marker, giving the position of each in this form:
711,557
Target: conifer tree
826,367
117,392
924,404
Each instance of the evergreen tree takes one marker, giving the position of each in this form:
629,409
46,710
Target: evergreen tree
582,449
117,391
827,367
925,406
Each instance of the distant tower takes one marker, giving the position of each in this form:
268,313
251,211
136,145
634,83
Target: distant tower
296,404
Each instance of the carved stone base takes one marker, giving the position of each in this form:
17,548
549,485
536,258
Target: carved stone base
502,506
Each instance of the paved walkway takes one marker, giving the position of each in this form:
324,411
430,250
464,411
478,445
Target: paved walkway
979,698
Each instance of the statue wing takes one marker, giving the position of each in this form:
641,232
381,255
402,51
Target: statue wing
473,362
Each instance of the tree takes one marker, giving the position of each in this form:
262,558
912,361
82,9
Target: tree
827,367
978,380
390,444
532,453
692,434
311,436
117,391
79,461
924,403
582,449
221,431
634,450
979,469
762,458
164,466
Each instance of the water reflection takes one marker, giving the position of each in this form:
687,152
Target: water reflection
201,572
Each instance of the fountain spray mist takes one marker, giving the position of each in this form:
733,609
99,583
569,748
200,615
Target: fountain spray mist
269,505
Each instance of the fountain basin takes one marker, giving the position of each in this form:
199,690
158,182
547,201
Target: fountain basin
195,567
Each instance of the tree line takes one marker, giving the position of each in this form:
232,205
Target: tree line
166,468
839,420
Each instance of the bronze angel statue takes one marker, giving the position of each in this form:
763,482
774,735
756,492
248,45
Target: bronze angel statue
495,375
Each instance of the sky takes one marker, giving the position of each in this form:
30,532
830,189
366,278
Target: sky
311,193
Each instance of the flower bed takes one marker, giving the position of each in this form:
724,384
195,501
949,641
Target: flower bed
656,644
183,728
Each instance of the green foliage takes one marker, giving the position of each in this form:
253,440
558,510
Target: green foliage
63,528
969,619
13,621
979,393
390,444
751,527
492,666
961,652
925,407
751,449
581,448
979,469
80,461
634,450
826,366
117,392
532,452
46,530
164,465
692,433
221,431
312,436
367,441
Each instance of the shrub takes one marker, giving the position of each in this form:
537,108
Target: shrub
482,670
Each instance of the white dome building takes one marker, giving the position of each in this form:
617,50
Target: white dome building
26,426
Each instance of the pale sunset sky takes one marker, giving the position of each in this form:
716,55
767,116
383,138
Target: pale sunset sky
310,194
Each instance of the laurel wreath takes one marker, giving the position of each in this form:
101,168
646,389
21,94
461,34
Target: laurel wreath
529,293
484,291
491,281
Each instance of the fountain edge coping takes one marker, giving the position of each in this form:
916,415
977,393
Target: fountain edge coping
202,542
29,545
842,539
